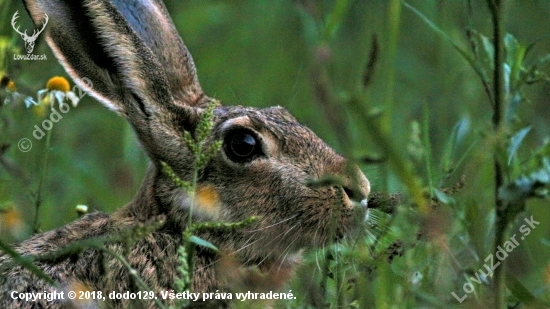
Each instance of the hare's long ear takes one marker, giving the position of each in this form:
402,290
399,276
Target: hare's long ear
129,49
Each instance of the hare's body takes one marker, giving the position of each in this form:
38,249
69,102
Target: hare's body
153,256
92,270
140,68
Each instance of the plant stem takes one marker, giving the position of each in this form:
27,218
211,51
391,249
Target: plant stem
190,247
324,278
427,147
394,18
497,11
192,193
338,279
38,201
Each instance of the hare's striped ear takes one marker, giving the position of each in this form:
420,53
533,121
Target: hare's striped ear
153,25
130,51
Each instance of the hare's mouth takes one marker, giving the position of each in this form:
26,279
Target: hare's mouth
339,236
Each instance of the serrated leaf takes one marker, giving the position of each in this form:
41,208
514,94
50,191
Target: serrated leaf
515,143
203,243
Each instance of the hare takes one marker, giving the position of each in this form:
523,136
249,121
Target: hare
141,69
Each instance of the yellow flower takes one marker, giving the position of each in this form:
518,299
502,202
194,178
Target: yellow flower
11,218
12,96
57,90
11,86
12,221
59,83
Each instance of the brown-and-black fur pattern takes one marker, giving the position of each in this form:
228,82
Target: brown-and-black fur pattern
141,69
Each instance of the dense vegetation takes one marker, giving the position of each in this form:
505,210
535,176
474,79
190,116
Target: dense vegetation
442,102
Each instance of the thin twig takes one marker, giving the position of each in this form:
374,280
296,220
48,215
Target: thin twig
497,12
38,201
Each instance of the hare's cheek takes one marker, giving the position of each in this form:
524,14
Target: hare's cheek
208,202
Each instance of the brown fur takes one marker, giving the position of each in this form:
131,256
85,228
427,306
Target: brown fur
141,69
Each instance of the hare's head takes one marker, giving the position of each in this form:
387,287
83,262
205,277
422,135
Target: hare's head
268,163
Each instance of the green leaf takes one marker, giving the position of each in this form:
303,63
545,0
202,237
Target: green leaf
526,187
460,130
523,294
444,198
480,71
534,75
203,243
311,31
515,53
441,33
519,190
515,143
335,19
487,50
414,146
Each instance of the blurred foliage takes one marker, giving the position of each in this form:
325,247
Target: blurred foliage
426,112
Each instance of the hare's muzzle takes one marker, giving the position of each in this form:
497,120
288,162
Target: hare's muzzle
356,192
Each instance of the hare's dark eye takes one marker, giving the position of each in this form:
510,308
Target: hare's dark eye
242,145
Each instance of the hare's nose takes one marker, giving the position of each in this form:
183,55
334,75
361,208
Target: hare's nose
358,189
354,194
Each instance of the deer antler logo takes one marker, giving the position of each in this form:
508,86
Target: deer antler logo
29,40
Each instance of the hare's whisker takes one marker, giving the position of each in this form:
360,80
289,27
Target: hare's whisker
248,245
318,251
286,251
272,225
280,239
236,251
